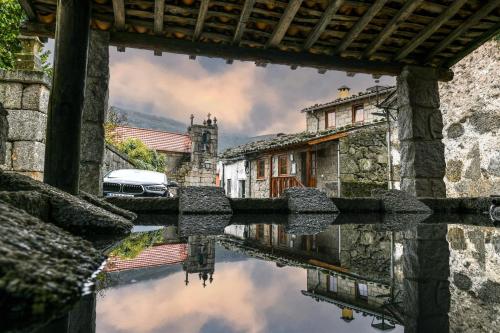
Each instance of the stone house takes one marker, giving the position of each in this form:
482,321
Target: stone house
342,152
190,157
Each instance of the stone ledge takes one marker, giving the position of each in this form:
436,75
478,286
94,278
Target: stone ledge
203,200
395,201
66,211
358,205
158,205
41,283
308,200
258,206
27,77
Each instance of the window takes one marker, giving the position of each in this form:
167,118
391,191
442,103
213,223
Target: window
282,165
362,291
332,283
330,119
358,113
261,169
228,187
241,188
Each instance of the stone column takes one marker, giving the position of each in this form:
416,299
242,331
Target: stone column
25,94
4,131
94,113
426,271
420,132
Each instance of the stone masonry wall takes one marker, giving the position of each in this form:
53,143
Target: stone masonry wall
363,161
326,178
25,96
259,187
474,278
115,160
470,104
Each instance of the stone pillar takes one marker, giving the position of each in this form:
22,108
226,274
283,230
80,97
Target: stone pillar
94,113
426,270
25,94
4,131
420,131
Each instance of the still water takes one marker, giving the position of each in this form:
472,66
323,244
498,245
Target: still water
265,278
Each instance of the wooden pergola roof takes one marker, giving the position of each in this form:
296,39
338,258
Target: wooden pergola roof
376,36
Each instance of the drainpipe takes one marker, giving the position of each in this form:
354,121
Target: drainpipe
249,178
338,168
389,151
223,181
317,121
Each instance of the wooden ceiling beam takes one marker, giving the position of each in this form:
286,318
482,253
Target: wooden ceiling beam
202,14
448,13
488,35
466,25
119,12
274,56
323,22
242,22
284,22
28,8
159,14
359,26
392,26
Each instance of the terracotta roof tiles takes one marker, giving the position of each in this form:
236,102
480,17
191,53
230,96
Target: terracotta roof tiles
159,140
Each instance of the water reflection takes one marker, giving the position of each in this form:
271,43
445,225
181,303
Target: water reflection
278,278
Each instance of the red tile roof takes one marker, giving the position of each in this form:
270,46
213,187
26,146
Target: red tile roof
159,140
159,255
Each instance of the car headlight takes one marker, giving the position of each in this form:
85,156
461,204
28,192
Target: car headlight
156,188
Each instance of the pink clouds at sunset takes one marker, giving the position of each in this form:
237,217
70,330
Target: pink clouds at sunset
245,98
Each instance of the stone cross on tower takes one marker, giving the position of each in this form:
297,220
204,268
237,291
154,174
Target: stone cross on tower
192,119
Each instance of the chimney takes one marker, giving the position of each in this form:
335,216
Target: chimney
343,92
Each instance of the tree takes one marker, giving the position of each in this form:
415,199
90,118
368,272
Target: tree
143,157
11,17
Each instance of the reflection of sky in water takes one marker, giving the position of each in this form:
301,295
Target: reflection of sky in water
245,296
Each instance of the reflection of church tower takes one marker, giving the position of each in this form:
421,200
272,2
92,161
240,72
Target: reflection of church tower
201,258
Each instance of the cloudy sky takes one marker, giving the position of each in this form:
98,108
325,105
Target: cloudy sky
245,98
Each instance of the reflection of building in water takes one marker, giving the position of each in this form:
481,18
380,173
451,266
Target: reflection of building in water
201,258
321,247
157,255
148,249
356,267
352,294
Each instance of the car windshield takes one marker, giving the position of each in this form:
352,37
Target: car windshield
138,175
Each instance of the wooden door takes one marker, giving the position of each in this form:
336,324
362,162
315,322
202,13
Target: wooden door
311,168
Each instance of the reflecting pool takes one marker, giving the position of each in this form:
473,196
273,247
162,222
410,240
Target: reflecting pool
264,278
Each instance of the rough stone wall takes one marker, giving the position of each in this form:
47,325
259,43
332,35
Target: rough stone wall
25,96
470,104
363,161
474,278
326,178
175,160
94,113
115,160
259,187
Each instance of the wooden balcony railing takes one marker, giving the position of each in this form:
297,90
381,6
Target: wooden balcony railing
280,184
